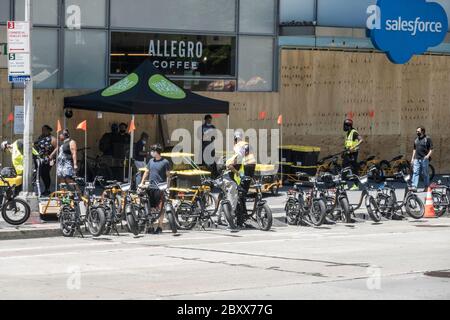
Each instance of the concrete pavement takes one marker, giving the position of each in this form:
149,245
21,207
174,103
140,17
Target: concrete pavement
359,261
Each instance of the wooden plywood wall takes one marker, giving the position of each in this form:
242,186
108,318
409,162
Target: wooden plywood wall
319,89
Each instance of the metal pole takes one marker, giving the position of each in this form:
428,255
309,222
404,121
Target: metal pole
29,121
85,155
130,178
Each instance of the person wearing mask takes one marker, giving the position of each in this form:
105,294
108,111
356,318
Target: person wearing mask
16,150
352,143
45,145
140,155
208,137
106,142
121,151
241,164
420,160
157,172
66,158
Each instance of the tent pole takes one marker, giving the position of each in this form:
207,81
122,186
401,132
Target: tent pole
130,178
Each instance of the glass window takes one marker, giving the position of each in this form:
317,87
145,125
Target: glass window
207,85
84,59
296,11
255,64
188,55
257,16
44,11
92,13
446,5
338,13
45,57
208,15
4,10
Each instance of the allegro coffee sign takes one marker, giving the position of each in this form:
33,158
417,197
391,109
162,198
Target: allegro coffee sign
176,54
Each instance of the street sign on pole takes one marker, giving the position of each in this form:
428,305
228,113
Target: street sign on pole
19,68
18,37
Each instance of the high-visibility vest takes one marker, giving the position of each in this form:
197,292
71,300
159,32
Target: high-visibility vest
246,159
17,157
349,142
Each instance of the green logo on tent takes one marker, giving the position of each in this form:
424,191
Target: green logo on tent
165,88
123,85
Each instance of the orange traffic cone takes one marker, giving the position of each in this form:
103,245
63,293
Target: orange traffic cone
429,208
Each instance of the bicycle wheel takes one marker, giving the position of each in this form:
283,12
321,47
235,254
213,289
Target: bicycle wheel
96,220
292,211
318,212
171,218
431,172
131,217
264,217
414,206
345,210
229,217
67,221
16,211
372,209
440,202
185,217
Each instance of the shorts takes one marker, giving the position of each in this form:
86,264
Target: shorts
155,197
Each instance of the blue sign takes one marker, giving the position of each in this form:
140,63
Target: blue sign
404,28
19,79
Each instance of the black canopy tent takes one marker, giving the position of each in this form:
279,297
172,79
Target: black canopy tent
146,91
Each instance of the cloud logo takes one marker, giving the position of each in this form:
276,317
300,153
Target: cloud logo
404,28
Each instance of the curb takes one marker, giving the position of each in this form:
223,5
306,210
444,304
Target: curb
22,232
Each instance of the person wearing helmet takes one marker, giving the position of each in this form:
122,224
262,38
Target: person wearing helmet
351,144
16,150
241,164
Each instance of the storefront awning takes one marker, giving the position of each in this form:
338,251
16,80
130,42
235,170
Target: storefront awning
146,91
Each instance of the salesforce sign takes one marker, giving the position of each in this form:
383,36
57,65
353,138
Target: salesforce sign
403,28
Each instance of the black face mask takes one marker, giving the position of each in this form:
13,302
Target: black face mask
346,128
122,131
419,134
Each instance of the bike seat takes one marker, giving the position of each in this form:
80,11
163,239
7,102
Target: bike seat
371,158
112,182
397,158
446,177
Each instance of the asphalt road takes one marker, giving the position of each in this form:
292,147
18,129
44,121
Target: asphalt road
359,261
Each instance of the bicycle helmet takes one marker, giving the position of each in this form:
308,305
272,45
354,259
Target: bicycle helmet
4,145
348,124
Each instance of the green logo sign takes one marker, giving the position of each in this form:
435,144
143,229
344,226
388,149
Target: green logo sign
123,85
165,88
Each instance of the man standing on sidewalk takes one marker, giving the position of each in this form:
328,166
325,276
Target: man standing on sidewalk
423,148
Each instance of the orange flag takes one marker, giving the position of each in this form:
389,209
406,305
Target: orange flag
82,125
132,126
58,127
10,118
262,115
280,120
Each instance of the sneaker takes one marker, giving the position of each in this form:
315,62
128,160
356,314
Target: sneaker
157,230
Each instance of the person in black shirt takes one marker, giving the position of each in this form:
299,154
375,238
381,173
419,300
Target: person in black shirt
106,142
208,137
45,145
423,148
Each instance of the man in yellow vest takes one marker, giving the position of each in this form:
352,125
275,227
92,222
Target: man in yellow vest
243,162
16,149
351,144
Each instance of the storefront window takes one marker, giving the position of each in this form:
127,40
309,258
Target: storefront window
92,13
257,16
4,11
205,15
84,59
255,63
187,55
45,58
44,11
296,12
338,13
